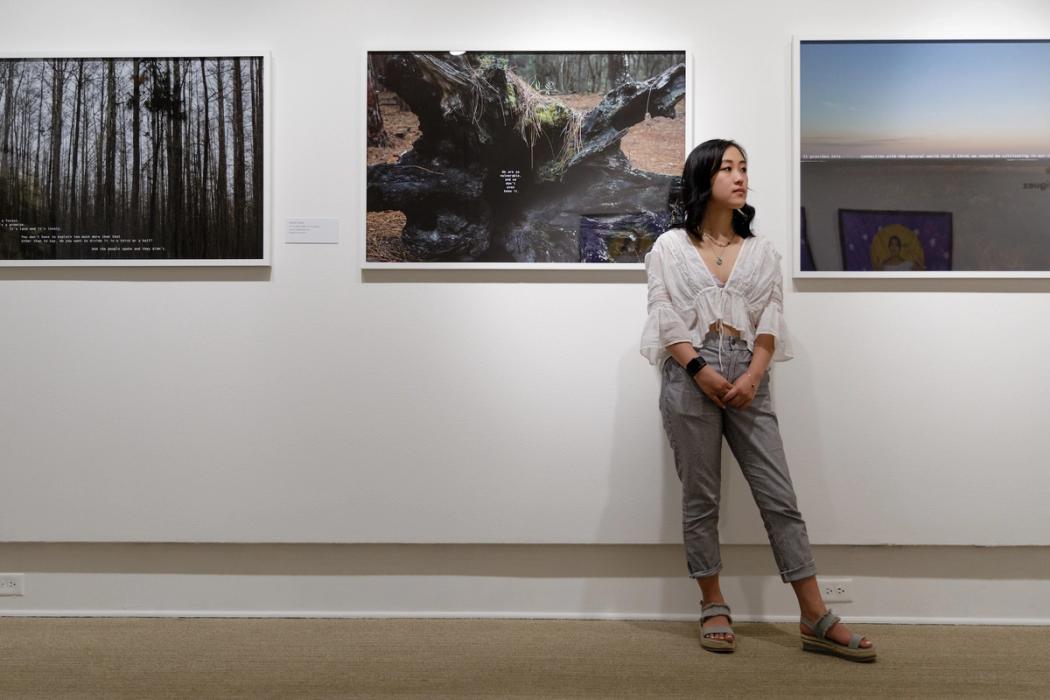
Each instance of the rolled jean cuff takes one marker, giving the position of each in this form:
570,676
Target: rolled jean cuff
709,572
798,573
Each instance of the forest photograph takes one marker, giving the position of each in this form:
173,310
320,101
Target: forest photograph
481,157
144,159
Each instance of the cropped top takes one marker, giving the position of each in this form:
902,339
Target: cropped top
685,297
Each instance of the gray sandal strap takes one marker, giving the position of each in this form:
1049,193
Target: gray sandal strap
714,610
820,627
825,623
827,620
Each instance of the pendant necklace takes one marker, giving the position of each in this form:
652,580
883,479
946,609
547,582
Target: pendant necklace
718,256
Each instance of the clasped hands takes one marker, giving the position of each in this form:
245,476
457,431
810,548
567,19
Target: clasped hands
738,394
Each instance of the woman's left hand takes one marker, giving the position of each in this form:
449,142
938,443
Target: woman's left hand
742,393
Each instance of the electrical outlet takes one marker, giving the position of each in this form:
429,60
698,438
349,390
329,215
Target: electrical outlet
836,590
12,584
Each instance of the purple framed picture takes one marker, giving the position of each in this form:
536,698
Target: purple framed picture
895,241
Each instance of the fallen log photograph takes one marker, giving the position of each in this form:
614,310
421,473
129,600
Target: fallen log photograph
522,157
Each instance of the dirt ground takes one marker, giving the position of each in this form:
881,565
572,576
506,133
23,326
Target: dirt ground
656,145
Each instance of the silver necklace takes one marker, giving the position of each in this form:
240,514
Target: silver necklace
718,256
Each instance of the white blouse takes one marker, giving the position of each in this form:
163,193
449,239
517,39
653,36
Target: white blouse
685,297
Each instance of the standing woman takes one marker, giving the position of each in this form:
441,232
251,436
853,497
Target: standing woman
715,323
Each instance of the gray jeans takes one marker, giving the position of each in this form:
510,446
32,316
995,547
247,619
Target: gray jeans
695,426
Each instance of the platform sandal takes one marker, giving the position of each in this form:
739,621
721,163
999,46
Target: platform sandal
711,644
820,643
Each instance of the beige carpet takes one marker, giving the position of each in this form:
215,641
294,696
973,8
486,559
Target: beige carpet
149,658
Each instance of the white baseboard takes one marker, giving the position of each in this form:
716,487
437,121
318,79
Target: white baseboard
888,585
424,615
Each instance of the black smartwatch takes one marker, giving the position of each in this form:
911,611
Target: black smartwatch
695,365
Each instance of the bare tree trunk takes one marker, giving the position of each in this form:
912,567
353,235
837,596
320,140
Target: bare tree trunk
98,206
110,185
200,210
162,178
187,238
22,163
257,156
39,131
619,70
239,198
122,199
58,82
204,167
136,155
174,208
74,148
222,202
164,186
83,205
9,119
153,220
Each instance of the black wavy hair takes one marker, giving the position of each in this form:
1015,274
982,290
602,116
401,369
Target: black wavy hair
700,168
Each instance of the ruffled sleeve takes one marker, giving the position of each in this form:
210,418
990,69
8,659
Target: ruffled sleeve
664,326
771,321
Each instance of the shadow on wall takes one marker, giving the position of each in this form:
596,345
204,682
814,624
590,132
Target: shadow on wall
641,466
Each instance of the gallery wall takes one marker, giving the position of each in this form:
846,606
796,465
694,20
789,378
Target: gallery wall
314,402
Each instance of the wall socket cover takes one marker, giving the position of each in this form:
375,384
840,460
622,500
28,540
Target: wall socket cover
12,584
836,590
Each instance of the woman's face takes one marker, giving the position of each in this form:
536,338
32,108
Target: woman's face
729,184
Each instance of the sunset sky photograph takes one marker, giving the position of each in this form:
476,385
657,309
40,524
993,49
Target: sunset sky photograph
958,98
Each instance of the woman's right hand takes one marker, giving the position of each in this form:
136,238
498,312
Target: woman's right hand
713,384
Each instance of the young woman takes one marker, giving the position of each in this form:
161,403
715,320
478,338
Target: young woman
715,323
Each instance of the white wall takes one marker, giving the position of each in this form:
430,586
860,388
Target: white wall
313,403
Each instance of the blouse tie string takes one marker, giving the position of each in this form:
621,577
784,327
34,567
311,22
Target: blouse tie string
721,326
723,293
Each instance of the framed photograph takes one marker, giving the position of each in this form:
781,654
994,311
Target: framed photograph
480,159
946,139
144,160
895,241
